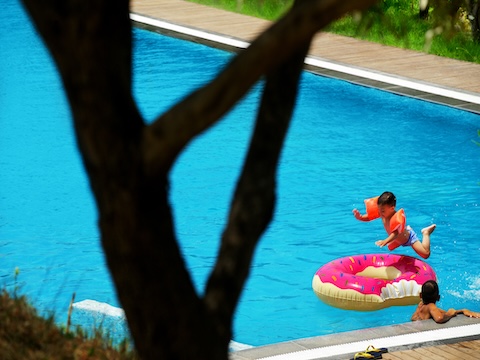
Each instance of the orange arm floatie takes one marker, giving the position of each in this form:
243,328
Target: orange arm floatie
372,208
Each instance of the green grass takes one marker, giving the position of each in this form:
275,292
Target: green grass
395,23
264,9
406,30
26,335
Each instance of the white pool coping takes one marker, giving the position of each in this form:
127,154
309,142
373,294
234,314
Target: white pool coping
189,31
315,62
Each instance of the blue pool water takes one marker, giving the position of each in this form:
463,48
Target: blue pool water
346,143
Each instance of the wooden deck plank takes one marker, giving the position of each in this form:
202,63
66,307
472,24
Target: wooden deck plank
465,350
455,352
474,345
432,353
396,356
406,355
441,352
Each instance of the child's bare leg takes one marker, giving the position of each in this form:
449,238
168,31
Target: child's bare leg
423,248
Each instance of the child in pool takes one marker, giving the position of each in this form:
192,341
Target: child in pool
398,235
427,309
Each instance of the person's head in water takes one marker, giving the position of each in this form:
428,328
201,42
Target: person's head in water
430,292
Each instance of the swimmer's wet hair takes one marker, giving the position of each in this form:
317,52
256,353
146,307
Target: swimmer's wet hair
387,198
430,292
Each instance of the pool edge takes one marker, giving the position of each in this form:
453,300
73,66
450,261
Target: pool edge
459,99
345,345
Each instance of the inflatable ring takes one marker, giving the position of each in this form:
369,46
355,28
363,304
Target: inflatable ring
371,282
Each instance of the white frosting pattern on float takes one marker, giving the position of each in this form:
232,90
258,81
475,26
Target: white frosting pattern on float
401,289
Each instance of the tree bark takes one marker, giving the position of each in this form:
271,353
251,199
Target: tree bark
474,16
254,199
128,164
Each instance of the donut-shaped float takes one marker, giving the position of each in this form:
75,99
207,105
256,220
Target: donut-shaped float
371,282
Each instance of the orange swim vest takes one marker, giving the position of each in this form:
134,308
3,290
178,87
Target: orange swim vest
397,222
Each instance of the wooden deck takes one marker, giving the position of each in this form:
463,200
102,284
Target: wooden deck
452,74
466,350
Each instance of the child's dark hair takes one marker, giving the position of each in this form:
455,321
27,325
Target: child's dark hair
430,292
387,198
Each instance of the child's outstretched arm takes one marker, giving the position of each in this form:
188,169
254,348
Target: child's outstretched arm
359,216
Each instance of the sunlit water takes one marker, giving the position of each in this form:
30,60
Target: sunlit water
346,143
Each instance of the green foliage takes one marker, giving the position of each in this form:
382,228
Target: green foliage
446,31
401,27
26,335
264,9
397,6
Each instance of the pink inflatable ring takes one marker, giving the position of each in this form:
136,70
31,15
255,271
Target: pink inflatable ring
371,282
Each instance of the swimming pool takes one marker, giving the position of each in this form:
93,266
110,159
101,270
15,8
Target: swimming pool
346,143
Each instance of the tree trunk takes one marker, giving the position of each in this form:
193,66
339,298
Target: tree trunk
424,8
128,164
474,17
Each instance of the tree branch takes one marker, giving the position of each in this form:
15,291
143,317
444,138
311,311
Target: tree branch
254,200
167,136
90,41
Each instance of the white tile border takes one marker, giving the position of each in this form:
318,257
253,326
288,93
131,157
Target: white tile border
189,31
398,81
388,342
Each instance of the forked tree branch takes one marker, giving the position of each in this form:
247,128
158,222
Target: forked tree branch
167,136
254,199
